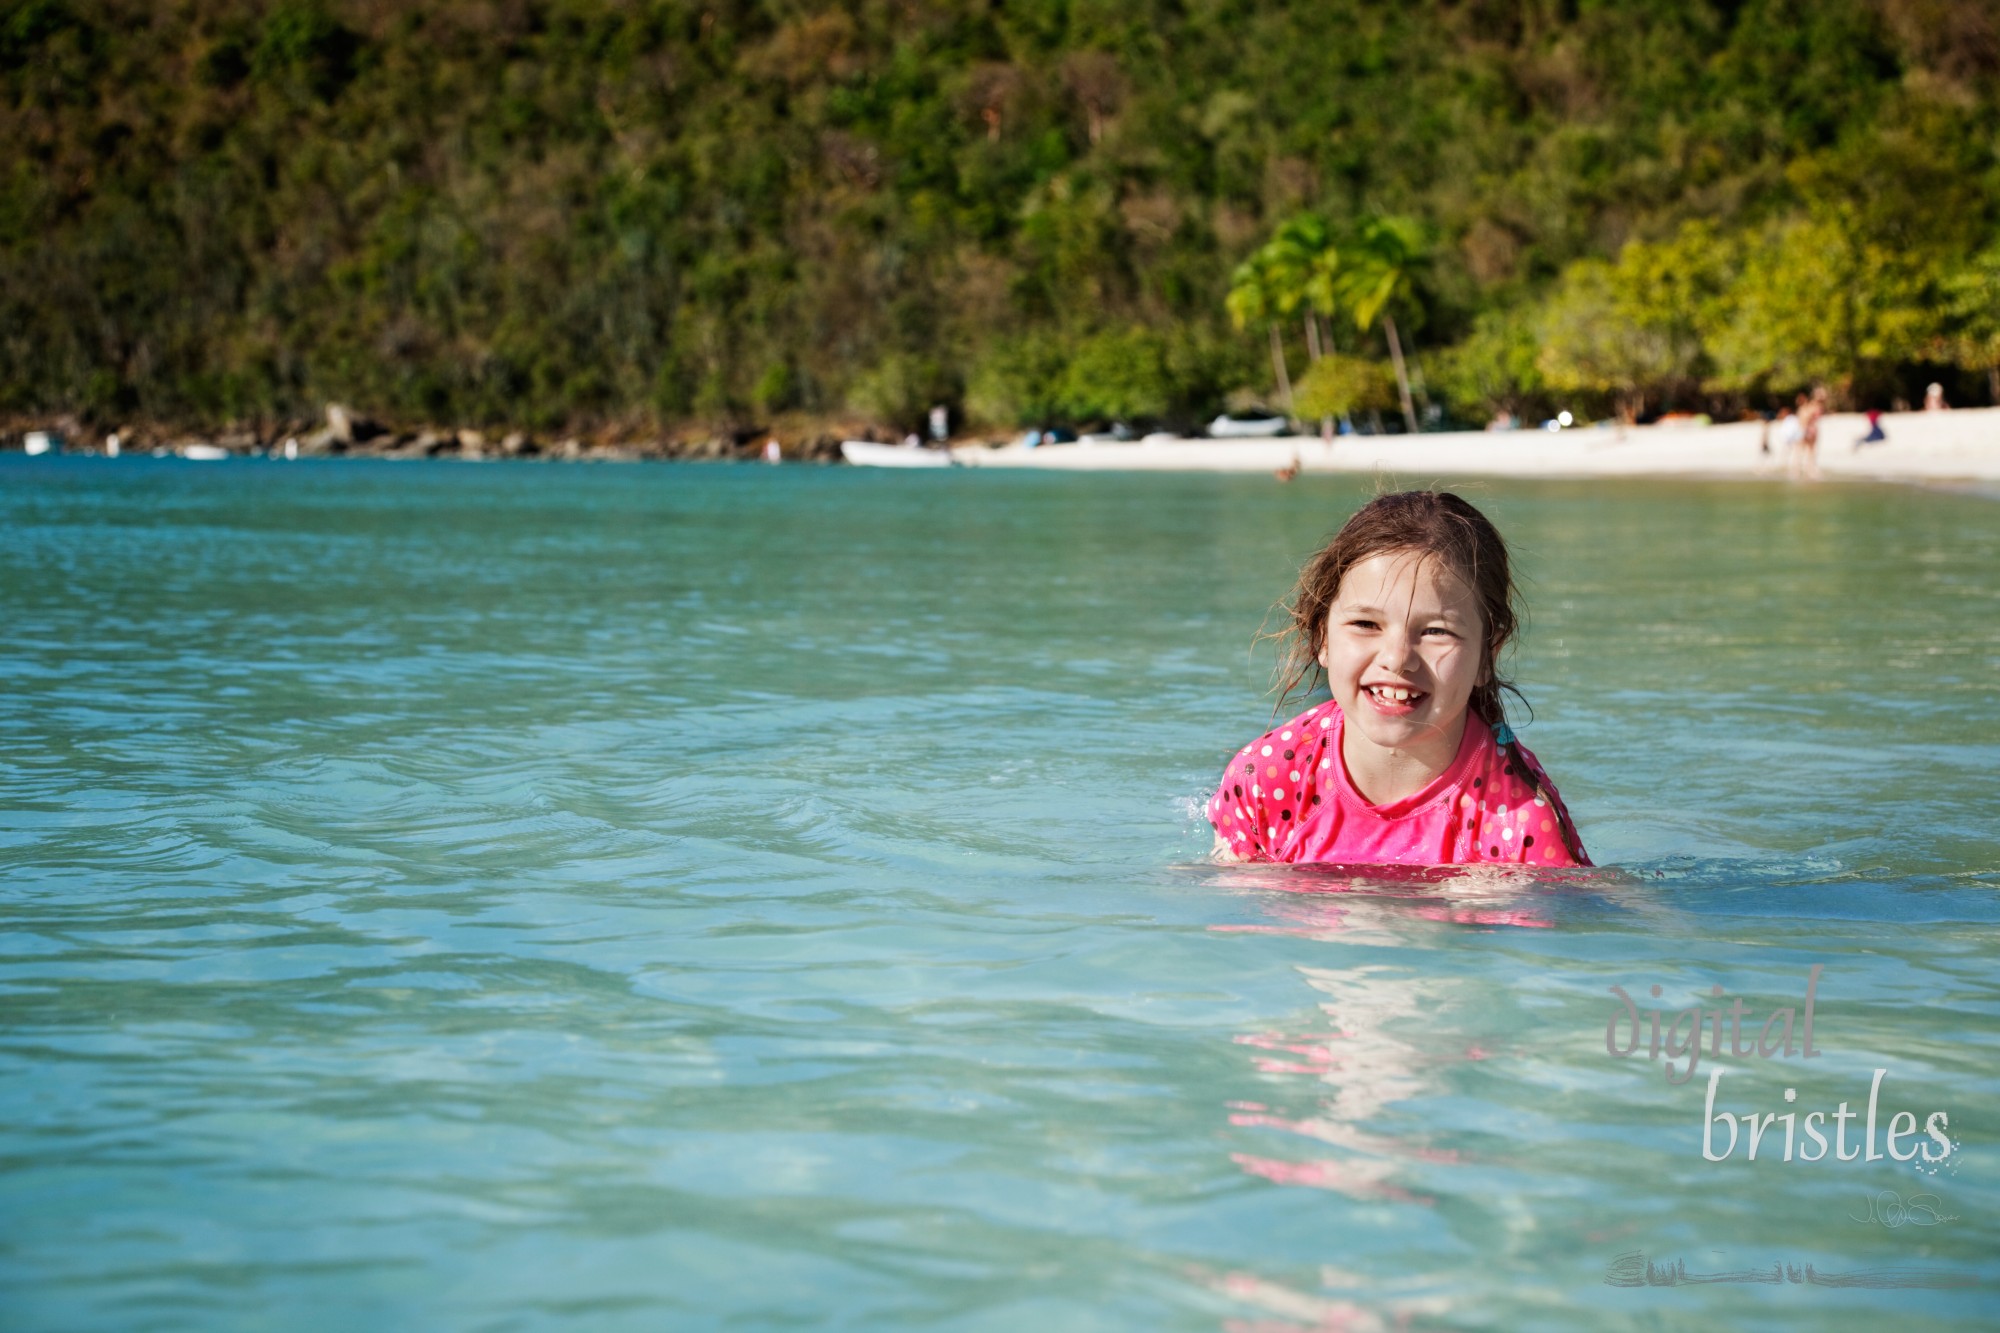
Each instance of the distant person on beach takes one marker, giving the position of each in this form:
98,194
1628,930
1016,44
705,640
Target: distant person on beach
1785,435
1934,399
1812,407
1875,435
1404,615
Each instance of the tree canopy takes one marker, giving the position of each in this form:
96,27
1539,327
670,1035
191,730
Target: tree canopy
576,211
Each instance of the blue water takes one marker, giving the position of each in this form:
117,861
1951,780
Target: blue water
444,896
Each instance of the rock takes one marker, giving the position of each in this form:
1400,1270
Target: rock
571,448
471,444
430,444
516,444
349,428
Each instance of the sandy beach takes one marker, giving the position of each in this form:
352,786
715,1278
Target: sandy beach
1929,447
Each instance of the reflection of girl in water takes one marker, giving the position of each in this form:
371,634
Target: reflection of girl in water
1411,762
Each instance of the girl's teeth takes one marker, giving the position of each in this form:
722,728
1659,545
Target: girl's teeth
1399,696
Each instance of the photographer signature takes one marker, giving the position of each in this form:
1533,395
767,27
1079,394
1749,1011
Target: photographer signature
1889,1209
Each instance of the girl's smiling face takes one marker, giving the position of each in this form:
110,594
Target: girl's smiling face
1405,646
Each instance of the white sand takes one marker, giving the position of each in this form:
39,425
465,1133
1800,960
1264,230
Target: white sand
1956,446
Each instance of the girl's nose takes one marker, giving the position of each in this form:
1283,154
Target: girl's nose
1399,652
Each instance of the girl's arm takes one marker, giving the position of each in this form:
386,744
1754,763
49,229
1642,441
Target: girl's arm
1223,854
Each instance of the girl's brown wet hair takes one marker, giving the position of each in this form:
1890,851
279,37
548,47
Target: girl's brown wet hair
1436,524
1441,526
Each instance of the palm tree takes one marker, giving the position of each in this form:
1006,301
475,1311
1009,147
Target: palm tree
1307,262
1376,271
1303,264
1258,291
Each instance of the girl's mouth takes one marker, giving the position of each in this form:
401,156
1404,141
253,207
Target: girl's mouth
1394,700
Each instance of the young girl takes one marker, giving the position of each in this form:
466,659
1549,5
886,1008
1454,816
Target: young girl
1411,762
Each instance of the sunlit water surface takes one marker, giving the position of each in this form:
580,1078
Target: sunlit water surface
528,897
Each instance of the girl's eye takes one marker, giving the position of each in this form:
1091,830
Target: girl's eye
1361,624
1439,629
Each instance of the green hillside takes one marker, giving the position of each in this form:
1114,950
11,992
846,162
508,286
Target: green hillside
567,213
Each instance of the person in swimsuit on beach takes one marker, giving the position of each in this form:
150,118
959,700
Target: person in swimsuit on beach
1785,435
1411,762
1811,408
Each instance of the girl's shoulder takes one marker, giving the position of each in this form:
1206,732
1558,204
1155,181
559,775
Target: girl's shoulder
1310,729
1268,787
1520,800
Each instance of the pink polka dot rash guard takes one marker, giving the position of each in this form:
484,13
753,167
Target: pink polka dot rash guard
1286,797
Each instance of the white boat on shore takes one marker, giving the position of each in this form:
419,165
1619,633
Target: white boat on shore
866,453
1230,427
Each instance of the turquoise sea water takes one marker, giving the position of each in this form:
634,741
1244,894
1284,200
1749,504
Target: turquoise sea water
456,897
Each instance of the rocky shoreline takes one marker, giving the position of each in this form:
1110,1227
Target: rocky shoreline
344,433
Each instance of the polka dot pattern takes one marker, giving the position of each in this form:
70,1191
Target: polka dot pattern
1286,798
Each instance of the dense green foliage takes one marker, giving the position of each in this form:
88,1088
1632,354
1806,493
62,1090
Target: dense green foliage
547,211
